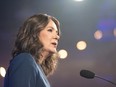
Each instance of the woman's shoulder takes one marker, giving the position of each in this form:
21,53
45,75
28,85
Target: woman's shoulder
23,59
24,56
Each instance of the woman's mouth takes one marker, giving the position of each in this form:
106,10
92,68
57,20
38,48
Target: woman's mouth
55,44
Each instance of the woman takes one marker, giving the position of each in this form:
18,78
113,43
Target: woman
34,55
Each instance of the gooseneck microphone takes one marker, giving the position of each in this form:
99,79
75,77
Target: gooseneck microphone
90,75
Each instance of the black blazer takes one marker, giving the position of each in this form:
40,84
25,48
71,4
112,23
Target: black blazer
25,72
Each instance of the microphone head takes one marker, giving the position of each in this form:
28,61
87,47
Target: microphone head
87,74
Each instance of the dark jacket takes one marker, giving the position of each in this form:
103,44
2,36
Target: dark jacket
25,72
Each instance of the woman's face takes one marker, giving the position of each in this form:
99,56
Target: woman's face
49,37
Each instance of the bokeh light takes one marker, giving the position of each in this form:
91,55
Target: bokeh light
2,71
98,34
79,0
63,54
115,32
81,45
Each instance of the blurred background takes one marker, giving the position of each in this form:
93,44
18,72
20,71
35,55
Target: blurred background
88,38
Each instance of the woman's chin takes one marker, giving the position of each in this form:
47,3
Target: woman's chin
53,51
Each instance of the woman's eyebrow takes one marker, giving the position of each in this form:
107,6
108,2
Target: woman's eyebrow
52,28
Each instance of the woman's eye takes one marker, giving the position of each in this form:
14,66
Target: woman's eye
50,30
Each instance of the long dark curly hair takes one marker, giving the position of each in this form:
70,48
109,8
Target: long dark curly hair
27,41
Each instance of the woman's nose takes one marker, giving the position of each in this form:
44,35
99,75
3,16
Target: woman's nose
57,37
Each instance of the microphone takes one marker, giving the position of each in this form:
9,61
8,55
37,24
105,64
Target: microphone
90,75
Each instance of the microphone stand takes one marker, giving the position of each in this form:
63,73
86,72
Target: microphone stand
105,80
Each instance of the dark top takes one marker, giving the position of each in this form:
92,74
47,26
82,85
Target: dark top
25,72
